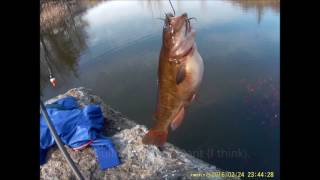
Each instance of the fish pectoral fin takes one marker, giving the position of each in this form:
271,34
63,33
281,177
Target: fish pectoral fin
181,74
191,99
176,122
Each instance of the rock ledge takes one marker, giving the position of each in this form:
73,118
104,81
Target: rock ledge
138,161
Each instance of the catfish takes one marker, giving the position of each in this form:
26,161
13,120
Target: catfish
180,73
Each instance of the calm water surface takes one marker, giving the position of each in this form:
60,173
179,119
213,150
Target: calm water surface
113,48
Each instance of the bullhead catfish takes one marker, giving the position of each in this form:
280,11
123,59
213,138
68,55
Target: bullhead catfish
180,72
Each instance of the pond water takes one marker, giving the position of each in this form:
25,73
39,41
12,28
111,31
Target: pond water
112,47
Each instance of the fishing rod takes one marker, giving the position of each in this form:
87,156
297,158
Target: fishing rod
59,143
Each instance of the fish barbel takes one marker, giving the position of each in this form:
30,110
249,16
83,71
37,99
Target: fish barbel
180,72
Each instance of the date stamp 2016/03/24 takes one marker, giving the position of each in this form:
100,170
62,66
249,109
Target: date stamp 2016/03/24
240,174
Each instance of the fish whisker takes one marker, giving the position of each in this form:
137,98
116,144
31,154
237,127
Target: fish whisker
187,25
192,18
161,19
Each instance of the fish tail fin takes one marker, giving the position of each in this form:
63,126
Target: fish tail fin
155,137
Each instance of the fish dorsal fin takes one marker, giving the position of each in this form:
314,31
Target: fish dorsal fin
181,74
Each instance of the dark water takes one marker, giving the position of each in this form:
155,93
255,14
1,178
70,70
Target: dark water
113,48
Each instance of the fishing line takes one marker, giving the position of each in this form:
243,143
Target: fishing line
46,55
52,79
174,12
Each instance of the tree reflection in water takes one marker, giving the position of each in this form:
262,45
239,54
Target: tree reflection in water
62,39
259,5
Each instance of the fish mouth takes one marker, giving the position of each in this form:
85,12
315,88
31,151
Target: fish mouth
179,34
179,21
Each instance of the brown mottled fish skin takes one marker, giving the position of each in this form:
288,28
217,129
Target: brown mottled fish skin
180,73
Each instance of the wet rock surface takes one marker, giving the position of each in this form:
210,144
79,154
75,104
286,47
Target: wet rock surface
138,161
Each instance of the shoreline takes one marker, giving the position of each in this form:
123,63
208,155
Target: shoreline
138,161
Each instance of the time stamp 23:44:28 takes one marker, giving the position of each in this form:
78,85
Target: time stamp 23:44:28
249,174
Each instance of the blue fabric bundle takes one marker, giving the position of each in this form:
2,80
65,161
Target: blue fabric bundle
77,127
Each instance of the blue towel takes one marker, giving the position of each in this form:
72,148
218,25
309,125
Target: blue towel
105,152
77,127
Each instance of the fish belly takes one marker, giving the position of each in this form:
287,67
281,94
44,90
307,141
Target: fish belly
194,70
